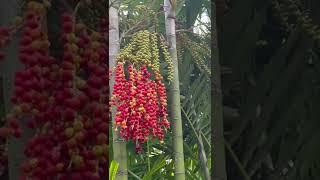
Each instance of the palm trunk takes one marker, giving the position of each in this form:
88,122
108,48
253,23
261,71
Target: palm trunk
174,92
119,145
219,164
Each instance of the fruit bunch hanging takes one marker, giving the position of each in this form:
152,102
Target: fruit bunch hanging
63,99
198,50
139,93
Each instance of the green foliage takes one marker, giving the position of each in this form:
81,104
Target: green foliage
277,89
113,170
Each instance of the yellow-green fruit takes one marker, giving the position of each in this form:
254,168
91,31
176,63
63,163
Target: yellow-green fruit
46,3
69,132
105,149
18,20
144,49
77,161
33,162
95,36
98,150
77,125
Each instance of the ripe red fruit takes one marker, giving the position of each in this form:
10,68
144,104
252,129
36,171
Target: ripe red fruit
26,40
93,93
73,103
13,123
102,138
67,75
76,176
67,27
69,114
17,132
95,82
67,18
103,127
141,105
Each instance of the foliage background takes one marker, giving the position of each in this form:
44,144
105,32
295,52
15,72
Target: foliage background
270,83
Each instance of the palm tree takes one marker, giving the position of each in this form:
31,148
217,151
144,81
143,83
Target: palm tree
174,91
219,164
119,145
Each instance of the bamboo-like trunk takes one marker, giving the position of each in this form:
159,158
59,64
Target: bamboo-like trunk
219,164
174,93
8,10
119,145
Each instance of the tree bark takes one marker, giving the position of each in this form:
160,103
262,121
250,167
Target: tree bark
219,164
119,144
174,93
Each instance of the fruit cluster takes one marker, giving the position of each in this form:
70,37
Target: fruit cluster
145,48
198,50
63,99
291,14
140,95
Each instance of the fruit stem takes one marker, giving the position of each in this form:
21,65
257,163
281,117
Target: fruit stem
148,156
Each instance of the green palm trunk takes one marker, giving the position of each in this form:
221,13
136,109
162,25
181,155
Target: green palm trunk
119,145
174,93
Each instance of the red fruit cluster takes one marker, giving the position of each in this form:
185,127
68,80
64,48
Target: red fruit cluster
141,104
64,100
